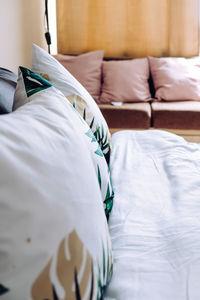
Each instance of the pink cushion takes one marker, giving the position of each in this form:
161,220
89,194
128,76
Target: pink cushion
125,81
86,68
176,78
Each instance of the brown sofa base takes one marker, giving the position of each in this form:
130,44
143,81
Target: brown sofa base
176,115
129,115
182,115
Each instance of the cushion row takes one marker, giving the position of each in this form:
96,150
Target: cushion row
174,78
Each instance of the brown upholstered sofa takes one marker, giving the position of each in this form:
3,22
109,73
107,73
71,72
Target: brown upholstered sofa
100,79
176,80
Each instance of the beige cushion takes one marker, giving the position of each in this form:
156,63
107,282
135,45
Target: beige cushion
176,78
125,81
86,68
129,115
176,115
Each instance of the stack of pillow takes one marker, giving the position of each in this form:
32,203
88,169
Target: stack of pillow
56,191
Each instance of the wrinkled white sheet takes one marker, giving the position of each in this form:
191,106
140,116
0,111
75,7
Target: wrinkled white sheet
155,221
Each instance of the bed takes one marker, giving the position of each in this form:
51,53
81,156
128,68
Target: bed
84,216
155,220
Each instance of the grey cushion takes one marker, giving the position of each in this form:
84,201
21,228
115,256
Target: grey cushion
8,82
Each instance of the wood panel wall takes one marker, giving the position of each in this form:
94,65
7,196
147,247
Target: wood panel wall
128,28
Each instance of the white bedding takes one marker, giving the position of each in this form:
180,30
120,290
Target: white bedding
155,221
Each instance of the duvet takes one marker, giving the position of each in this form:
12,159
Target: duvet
155,221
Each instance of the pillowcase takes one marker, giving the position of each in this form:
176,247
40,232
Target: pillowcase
54,240
31,83
86,68
125,81
176,78
8,82
52,70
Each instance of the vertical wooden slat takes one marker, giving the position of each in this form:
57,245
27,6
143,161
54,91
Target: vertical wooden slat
106,24
183,28
147,29
72,26
128,28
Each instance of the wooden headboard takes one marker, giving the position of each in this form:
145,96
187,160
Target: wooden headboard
129,28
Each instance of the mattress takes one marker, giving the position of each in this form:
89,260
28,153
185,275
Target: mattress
155,221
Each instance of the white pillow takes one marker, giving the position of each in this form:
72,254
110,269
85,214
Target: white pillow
54,240
26,86
52,70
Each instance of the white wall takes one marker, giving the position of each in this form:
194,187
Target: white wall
21,24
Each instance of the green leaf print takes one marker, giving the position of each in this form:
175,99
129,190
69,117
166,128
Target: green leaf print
93,139
77,289
90,135
107,274
103,142
101,138
55,296
3,289
33,82
99,176
92,122
84,114
98,151
108,201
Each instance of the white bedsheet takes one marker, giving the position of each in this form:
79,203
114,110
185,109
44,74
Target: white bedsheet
155,221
